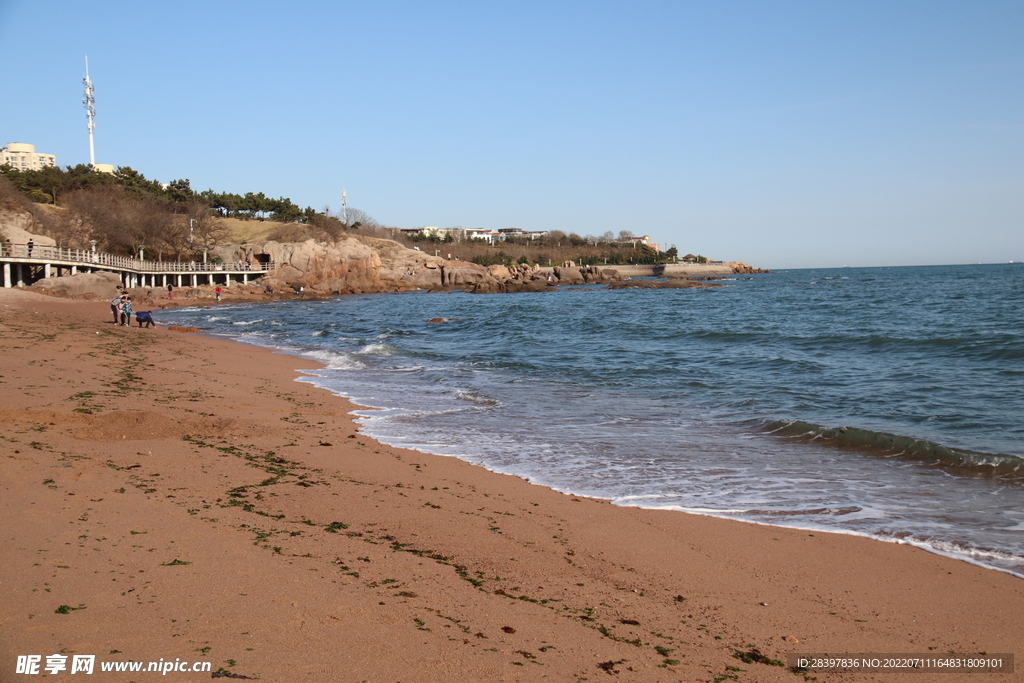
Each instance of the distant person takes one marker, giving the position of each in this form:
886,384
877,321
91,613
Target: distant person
302,291
217,292
170,291
30,245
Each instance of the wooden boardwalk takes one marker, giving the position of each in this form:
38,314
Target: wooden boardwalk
24,264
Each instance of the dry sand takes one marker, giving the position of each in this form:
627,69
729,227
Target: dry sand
186,499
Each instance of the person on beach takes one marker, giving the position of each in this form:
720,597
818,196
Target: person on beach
115,307
126,311
170,291
217,292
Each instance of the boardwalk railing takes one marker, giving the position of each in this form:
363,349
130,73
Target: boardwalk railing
32,261
86,256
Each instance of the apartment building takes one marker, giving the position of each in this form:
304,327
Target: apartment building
23,157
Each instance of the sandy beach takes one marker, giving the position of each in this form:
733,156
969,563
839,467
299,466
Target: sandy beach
168,496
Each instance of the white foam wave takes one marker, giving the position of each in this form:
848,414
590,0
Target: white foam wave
379,349
474,397
336,361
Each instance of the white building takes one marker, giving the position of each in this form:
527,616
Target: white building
482,234
645,241
23,157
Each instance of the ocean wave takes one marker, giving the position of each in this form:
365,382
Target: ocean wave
335,360
979,555
472,396
380,349
959,461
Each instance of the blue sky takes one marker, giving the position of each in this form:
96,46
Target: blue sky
783,134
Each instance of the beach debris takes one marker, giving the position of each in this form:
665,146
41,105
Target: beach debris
609,666
755,656
763,604
679,598
629,622
508,629
67,609
326,443
791,639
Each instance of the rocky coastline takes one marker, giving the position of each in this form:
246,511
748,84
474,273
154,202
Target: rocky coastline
358,265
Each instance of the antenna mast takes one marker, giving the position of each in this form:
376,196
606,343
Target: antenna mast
344,207
90,111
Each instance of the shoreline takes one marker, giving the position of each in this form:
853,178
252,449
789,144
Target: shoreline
171,506
913,543
979,554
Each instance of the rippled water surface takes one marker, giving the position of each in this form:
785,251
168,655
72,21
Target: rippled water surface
887,402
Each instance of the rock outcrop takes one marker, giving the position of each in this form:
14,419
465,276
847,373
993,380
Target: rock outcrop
15,230
742,268
101,285
355,264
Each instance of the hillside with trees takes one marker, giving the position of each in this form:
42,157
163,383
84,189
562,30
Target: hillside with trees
125,212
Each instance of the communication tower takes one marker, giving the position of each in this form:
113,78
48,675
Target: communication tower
90,111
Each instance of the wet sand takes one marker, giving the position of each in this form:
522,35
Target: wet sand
186,499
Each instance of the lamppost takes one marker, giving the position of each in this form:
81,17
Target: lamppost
191,224
142,252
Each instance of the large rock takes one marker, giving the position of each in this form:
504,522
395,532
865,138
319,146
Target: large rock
101,285
739,267
568,275
499,272
458,273
594,274
355,264
13,224
347,264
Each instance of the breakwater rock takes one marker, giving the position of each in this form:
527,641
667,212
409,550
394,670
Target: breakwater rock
674,283
526,278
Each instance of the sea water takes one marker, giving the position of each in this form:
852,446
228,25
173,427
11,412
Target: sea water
887,402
